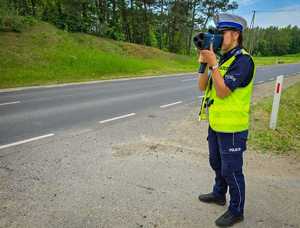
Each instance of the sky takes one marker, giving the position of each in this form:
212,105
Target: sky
290,12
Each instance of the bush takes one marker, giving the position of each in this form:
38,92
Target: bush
11,22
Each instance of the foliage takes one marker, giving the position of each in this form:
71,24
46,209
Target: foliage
167,24
10,21
274,41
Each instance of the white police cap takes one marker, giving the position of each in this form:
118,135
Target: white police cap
229,21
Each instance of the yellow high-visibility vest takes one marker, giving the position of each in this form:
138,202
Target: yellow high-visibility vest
229,114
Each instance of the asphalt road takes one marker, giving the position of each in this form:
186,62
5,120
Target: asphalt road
44,112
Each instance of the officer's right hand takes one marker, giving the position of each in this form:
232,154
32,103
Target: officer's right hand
200,58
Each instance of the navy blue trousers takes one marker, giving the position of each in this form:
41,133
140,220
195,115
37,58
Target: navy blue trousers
226,159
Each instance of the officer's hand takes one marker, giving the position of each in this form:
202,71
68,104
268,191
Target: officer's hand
209,57
200,58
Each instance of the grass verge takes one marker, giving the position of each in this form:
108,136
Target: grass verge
285,59
286,138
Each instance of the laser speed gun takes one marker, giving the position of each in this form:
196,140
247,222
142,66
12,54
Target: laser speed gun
203,41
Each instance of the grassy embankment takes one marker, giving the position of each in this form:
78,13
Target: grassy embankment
286,138
43,54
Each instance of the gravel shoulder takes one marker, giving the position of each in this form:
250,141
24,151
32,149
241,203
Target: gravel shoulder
143,172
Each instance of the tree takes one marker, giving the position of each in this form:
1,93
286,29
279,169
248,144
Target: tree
167,24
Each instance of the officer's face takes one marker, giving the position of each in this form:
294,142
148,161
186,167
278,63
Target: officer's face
230,39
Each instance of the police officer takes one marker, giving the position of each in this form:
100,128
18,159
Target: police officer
228,88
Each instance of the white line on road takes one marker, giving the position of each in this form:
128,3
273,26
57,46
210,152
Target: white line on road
9,103
200,96
271,79
117,118
260,82
25,141
191,79
168,105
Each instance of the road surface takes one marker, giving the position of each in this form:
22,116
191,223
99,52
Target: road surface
37,113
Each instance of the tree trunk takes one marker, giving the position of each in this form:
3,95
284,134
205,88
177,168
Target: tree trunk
33,5
146,25
194,4
161,24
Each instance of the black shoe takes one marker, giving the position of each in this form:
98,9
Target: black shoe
228,219
211,198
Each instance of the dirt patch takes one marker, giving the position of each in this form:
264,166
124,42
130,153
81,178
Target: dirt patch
154,147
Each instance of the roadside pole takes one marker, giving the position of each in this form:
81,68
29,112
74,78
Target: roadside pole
276,102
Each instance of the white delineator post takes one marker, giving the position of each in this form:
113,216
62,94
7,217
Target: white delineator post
276,101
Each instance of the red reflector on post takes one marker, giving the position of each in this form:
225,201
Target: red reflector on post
277,88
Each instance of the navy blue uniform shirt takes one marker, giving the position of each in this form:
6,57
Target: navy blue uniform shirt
240,72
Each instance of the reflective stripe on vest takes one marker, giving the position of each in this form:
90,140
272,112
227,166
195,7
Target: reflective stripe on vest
229,114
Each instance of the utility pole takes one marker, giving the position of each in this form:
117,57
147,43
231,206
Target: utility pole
252,38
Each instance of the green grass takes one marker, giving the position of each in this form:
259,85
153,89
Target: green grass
46,55
260,61
286,138
43,54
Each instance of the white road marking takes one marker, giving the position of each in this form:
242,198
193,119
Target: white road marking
191,79
117,118
168,105
9,103
271,79
260,82
200,96
25,141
